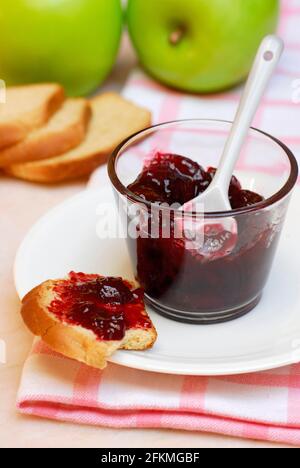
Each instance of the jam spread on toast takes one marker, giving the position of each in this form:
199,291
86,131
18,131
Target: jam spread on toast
105,305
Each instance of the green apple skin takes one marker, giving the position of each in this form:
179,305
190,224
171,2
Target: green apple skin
73,42
200,46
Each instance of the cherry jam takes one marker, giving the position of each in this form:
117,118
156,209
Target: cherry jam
174,179
180,279
105,305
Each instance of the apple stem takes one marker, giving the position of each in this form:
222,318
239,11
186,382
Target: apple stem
177,35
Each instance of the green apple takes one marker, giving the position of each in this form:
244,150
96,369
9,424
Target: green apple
200,45
73,42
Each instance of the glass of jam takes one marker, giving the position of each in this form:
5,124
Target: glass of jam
156,172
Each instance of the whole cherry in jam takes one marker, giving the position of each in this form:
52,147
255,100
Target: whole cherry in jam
244,198
238,197
170,178
105,305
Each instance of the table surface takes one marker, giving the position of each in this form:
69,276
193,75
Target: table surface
21,204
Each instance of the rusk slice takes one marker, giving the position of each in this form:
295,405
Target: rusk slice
26,108
77,340
113,120
63,132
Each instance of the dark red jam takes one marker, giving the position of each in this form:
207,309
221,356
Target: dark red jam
105,305
170,178
183,279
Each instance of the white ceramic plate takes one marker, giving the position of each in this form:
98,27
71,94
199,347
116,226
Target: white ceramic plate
269,337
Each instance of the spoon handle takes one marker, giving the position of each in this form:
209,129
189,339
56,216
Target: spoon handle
264,65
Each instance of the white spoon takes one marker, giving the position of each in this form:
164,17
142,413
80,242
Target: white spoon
215,198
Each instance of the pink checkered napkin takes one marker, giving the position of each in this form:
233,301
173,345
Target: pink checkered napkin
262,406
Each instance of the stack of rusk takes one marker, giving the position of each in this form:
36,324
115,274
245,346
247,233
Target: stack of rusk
48,138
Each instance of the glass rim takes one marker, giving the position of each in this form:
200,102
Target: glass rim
278,196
